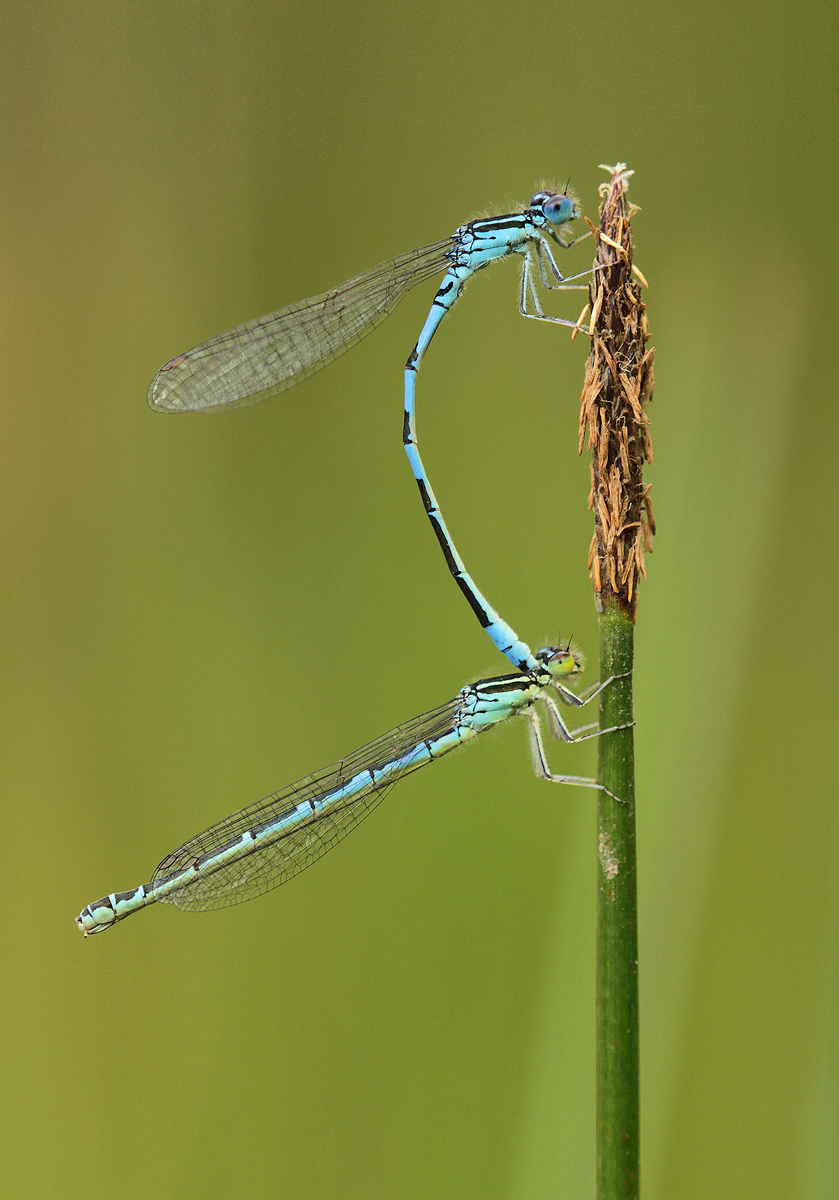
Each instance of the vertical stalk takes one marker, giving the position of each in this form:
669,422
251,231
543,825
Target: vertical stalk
619,383
618,1101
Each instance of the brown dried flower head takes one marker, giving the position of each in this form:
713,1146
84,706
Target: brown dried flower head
618,387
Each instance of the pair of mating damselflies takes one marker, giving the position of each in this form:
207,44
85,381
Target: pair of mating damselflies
267,843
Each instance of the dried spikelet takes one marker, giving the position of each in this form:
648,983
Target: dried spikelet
619,384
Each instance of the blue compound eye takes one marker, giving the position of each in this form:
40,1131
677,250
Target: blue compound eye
559,208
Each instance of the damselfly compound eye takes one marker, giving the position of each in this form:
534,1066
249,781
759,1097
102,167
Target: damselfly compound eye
559,209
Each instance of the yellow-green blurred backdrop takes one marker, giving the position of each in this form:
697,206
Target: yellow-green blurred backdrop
197,610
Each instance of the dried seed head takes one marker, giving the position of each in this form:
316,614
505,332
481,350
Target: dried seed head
618,386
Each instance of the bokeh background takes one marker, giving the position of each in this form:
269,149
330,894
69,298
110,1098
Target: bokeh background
197,610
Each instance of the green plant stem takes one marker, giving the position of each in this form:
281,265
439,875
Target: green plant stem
617,922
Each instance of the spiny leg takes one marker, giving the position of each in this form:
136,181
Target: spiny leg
540,762
561,283
561,732
580,699
528,289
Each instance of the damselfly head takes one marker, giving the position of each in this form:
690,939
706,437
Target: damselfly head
555,207
561,661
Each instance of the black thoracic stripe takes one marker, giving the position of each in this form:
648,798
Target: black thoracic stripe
511,221
506,683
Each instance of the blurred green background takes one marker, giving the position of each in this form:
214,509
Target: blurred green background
197,610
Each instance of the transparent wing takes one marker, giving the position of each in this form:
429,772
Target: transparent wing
263,357
266,864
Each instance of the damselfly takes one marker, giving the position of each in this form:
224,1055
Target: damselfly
264,357
269,842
